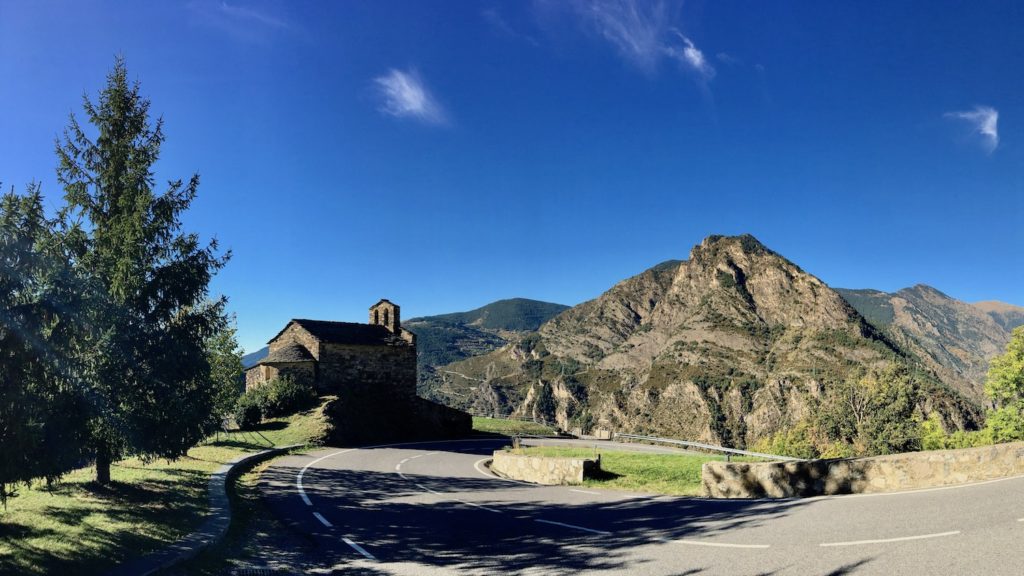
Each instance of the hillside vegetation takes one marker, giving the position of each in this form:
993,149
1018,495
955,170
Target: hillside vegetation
732,346
448,338
951,338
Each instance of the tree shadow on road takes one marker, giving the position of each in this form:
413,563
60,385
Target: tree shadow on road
419,520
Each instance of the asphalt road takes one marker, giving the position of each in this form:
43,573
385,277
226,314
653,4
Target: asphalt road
431,508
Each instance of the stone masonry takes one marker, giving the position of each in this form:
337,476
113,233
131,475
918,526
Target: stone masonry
909,471
543,469
371,368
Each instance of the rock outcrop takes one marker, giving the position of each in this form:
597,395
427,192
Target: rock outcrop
726,347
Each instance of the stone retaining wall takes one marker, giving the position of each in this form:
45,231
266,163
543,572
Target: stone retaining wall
543,470
895,472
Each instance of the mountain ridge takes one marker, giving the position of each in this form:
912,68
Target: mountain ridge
727,346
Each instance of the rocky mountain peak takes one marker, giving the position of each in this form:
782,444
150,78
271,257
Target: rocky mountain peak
716,246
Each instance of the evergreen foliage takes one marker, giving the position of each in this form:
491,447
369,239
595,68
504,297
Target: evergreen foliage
149,369
42,401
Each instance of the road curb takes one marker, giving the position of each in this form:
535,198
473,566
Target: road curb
213,528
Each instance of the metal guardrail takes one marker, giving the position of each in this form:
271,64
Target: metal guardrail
701,446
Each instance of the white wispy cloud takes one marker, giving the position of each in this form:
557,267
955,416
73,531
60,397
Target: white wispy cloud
251,16
984,121
691,57
643,34
403,95
636,30
243,23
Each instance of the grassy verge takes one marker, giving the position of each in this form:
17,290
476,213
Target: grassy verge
79,527
252,527
643,472
510,427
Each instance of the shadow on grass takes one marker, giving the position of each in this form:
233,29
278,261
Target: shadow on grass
602,475
106,524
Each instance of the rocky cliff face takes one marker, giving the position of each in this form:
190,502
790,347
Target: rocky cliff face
954,339
725,347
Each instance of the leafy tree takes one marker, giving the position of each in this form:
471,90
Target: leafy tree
225,358
873,413
149,366
42,408
795,441
1005,386
1005,382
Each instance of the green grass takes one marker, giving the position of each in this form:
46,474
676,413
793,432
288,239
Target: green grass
252,525
639,471
510,427
79,527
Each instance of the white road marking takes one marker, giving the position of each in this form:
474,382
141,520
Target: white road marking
903,492
719,544
322,519
584,491
1020,520
482,507
885,540
493,476
479,506
422,487
298,479
358,548
573,526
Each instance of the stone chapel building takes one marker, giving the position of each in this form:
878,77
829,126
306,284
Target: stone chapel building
371,368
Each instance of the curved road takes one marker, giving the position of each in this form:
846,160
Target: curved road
431,508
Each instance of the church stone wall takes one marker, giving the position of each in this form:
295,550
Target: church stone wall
256,375
384,372
297,334
301,372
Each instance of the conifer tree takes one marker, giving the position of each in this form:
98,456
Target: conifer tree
149,369
43,412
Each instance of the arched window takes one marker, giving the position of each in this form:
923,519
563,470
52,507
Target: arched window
376,317
386,322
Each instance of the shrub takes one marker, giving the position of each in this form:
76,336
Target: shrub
285,396
248,410
279,397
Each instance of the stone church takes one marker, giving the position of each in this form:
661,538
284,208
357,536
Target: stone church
370,368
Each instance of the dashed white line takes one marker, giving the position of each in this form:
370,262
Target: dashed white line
573,526
322,519
584,491
885,540
358,548
1020,520
719,544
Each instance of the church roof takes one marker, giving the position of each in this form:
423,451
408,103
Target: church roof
346,332
289,353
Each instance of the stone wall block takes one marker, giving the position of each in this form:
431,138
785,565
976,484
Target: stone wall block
862,475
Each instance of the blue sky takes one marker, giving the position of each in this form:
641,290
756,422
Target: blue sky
448,154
